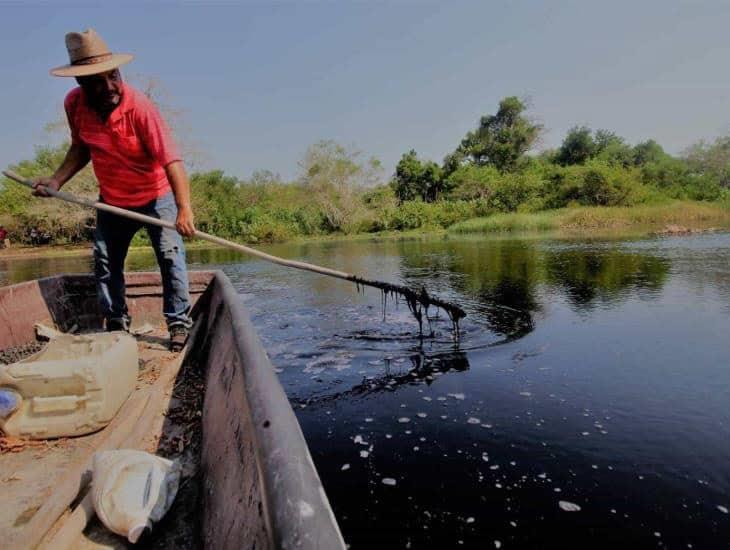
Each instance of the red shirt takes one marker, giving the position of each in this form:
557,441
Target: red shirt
129,151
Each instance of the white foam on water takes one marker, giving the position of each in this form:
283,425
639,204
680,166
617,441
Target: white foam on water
359,440
473,420
421,415
723,509
566,506
368,420
364,454
459,396
525,394
427,399
404,419
497,544
389,481
470,520
345,467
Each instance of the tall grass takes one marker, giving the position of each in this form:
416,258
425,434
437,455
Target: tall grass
514,222
688,213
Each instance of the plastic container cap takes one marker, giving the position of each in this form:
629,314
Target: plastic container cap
9,402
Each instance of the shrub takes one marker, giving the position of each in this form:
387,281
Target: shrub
596,183
470,182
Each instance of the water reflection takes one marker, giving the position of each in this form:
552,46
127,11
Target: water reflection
592,276
504,278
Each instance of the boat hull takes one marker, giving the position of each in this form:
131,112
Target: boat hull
259,487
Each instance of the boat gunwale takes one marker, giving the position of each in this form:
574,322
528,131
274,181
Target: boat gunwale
286,470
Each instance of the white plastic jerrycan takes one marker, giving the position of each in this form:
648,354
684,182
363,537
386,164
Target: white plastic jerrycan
131,490
74,386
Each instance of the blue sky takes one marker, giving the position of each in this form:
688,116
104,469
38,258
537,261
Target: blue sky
259,82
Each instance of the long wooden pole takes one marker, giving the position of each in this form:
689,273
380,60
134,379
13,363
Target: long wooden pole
412,297
170,225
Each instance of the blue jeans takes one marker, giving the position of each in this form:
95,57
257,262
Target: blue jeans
111,243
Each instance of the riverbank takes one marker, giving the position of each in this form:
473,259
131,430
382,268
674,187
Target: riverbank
689,216
692,216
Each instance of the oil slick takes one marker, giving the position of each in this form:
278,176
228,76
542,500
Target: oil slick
418,302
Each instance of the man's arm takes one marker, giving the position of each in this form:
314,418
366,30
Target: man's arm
76,158
178,179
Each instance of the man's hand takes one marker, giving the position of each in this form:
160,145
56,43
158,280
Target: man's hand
41,184
185,222
181,189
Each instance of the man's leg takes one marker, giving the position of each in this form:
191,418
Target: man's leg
170,252
111,243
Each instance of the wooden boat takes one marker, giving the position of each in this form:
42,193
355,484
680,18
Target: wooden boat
249,481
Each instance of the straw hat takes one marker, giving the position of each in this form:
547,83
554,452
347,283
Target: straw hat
89,54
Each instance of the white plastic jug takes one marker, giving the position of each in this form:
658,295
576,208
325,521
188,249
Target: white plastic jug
72,387
132,489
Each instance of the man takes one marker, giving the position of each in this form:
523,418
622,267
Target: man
138,168
3,236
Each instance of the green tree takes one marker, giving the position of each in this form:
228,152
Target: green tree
417,179
216,202
471,182
648,151
581,144
501,140
577,147
595,183
612,148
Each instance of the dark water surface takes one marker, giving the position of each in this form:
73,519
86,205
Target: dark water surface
590,373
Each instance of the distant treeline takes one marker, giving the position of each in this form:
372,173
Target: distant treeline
492,170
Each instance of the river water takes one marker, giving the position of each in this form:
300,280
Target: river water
586,405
